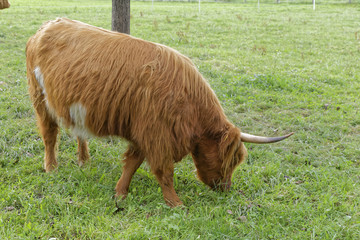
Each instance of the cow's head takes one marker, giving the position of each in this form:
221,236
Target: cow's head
216,158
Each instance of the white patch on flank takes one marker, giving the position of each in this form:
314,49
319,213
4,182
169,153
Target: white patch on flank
78,116
40,78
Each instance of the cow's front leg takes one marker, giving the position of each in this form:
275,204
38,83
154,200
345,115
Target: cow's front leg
133,159
165,177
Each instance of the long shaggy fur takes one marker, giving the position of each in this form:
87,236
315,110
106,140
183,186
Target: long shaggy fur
4,4
147,93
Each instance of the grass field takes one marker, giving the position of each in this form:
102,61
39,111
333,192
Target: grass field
276,69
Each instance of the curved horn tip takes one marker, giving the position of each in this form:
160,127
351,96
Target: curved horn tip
283,137
288,135
245,137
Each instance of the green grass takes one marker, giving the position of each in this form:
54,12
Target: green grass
276,69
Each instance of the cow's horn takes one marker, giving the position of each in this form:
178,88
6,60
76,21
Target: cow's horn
258,139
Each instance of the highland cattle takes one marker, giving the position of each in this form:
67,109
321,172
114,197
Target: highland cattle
102,83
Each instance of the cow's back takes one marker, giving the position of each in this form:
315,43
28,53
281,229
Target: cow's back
106,83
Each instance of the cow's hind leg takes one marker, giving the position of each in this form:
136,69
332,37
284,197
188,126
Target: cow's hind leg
49,130
165,177
133,159
83,151
46,121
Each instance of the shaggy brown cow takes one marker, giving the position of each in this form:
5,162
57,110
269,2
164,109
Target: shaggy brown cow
101,83
4,4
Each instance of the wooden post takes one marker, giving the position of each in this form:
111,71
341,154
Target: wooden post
120,20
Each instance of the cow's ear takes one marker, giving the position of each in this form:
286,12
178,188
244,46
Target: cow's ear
229,144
